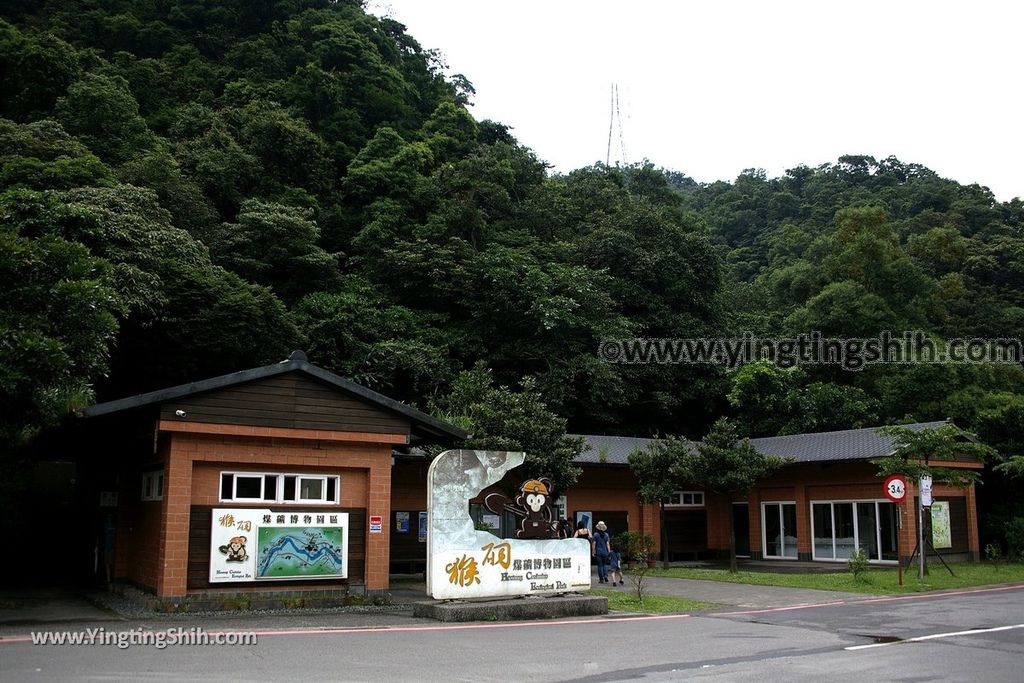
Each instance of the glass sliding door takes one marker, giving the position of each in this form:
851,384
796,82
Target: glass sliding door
840,528
867,529
789,530
846,533
821,523
778,527
888,530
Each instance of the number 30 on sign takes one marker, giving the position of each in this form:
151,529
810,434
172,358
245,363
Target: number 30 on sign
896,488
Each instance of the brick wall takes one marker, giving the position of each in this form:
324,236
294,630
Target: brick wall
195,460
610,489
137,550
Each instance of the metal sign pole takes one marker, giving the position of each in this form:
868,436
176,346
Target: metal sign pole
899,532
924,484
921,537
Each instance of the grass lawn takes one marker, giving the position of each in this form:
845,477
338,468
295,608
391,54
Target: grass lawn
876,580
624,600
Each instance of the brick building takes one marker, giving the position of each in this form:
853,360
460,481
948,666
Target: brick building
291,440
824,506
269,454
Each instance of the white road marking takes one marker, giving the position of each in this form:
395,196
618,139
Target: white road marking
935,636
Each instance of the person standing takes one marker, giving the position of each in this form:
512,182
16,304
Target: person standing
602,551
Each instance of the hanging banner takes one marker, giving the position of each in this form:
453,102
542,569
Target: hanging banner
402,522
257,545
942,536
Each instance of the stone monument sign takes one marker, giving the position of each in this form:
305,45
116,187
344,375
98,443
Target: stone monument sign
464,562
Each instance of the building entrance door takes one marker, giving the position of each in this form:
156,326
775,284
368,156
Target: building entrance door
741,527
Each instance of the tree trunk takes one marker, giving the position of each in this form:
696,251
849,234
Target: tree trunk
732,538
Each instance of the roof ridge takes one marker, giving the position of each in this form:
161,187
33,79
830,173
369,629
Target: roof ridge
776,436
854,429
296,362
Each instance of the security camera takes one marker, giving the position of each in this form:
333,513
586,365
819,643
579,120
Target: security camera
179,413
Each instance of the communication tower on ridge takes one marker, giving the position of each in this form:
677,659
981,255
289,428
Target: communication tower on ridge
615,117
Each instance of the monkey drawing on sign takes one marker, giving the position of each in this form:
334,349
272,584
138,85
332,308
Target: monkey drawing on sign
235,549
533,504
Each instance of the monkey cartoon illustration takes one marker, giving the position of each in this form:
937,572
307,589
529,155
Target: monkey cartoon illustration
235,549
533,504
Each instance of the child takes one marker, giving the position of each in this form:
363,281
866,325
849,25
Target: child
616,567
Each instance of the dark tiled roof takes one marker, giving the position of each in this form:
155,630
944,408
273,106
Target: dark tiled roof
609,450
849,444
296,363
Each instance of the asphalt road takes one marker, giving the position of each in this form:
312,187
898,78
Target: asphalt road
863,639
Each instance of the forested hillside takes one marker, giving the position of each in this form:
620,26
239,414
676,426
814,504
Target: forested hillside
191,188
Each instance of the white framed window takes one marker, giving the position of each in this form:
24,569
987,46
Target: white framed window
275,487
153,485
691,499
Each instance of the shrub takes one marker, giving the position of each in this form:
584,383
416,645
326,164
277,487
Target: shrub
639,548
993,554
858,563
1015,538
636,546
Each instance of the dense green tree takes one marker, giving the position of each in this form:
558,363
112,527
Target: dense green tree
760,395
657,469
35,69
57,320
42,156
725,464
358,334
350,201
102,112
276,246
500,418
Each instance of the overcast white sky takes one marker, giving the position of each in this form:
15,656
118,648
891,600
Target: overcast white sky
711,88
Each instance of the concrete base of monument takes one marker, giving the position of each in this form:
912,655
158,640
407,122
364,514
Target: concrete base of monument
513,609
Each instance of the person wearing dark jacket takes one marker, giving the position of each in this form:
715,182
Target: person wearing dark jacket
602,551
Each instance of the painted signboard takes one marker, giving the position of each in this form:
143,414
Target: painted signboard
942,536
259,545
376,524
464,562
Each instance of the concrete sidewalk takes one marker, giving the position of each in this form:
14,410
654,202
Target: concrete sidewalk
49,607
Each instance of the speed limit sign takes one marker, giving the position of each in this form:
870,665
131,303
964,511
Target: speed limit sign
896,488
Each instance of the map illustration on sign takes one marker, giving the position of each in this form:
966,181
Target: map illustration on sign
288,552
249,544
